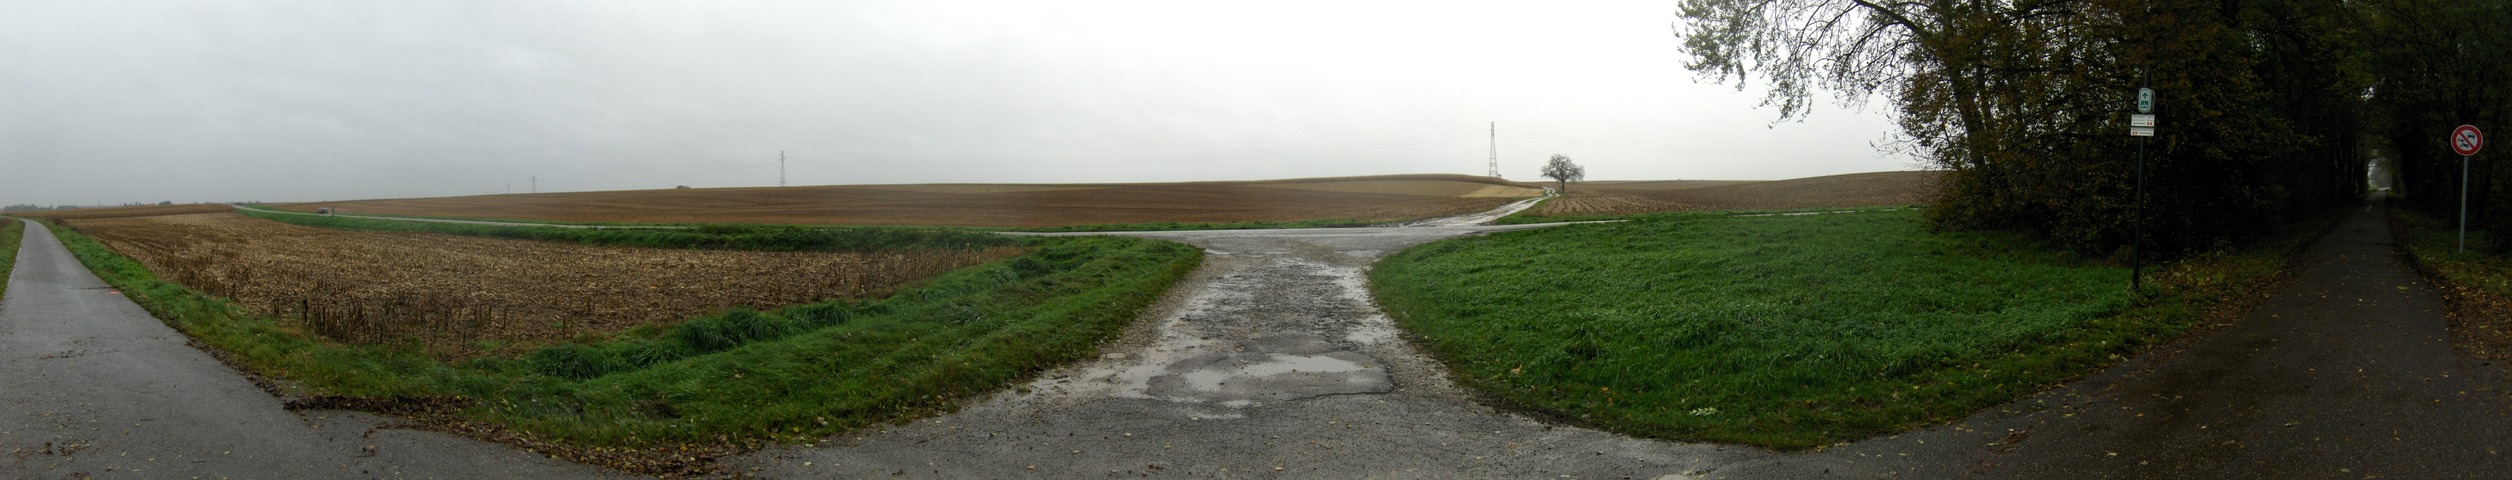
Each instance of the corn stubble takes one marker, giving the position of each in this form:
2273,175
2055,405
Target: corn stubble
462,297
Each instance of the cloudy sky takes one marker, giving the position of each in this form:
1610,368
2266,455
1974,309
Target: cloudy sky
111,101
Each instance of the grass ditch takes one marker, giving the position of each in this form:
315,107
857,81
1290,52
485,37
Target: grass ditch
1789,331
2477,284
668,400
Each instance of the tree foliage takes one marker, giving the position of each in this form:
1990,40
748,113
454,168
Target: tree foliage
1561,169
2025,103
2441,64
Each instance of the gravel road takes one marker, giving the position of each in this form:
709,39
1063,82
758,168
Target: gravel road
92,386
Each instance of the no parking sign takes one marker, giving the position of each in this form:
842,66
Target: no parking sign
2466,140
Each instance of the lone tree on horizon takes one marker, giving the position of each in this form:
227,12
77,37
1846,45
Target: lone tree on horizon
1560,168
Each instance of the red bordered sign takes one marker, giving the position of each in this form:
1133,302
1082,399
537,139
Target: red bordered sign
2466,140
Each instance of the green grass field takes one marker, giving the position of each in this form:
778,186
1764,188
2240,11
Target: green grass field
1782,331
792,374
11,230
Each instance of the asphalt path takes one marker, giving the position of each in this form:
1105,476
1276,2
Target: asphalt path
93,386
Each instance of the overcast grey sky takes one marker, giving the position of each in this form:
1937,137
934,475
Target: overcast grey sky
119,101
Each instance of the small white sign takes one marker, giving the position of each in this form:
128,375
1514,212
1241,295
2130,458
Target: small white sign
2140,120
2140,131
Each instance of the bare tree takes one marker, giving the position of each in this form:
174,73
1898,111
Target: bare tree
1560,168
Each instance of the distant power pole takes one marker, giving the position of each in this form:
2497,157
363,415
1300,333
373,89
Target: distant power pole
780,168
536,184
1495,149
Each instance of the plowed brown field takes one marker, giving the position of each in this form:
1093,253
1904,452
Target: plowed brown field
1853,190
466,297
1375,199
119,212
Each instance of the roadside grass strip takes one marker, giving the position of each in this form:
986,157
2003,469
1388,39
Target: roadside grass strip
1787,331
661,400
11,230
2478,283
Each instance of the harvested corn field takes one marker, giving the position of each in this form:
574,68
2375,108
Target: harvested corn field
466,297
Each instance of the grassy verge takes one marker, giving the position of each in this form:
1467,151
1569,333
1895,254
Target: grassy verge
1787,331
661,400
2477,284
11,230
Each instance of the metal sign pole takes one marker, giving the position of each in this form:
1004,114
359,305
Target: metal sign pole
2465,141
2137,240
2140,125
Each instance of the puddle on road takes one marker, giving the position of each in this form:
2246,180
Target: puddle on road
1211,380
1228,344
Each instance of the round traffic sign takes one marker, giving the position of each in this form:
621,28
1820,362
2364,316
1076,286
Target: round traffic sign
2466,140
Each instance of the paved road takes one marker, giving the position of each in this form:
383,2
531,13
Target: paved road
91,385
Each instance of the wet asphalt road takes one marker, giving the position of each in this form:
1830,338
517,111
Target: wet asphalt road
92,386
